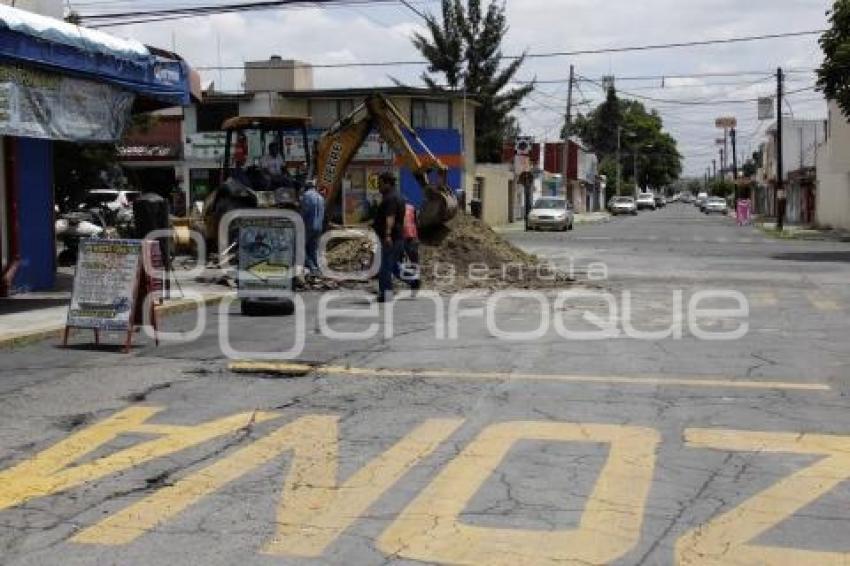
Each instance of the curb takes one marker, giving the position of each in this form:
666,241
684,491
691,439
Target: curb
18,339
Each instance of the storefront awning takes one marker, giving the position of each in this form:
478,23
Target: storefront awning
53,45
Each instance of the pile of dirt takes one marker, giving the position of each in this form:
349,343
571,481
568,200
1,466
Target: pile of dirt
465,254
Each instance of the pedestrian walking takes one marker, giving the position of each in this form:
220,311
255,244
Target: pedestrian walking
389,227
313,213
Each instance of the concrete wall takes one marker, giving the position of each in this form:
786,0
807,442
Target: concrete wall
833,173
497,179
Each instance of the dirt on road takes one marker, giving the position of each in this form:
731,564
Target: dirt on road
465,254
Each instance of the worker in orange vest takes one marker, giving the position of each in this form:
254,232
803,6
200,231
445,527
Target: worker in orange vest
411,272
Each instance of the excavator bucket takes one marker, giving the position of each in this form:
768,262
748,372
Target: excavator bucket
440,206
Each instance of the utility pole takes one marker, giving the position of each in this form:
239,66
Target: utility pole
567,131
722,161
619,165
637,182
780,187
734,136
714,168
734,163
725,160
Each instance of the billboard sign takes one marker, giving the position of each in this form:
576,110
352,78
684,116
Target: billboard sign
766,108
726,122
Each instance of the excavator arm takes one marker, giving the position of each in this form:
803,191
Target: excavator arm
336,150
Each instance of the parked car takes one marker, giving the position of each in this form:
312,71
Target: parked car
716,205
551,213
646,200
660,201
623,205
701,198
687,198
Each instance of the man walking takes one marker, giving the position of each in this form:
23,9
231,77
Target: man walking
389,227
313,213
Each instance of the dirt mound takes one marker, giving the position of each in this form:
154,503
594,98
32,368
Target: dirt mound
465,254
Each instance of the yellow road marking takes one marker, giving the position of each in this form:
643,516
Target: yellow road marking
823,302
430,529
52,470
724,540
764,299
314,508
304,369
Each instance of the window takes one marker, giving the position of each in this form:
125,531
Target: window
212,116
478,189
325,112
431,114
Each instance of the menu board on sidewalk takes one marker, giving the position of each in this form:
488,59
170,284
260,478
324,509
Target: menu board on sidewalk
106,285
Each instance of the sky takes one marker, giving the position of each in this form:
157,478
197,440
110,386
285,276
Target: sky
382,32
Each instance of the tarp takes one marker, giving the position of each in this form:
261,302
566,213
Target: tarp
45,105
31,39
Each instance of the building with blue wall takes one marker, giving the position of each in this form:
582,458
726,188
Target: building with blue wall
42,61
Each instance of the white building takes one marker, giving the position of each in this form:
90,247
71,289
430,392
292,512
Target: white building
833,172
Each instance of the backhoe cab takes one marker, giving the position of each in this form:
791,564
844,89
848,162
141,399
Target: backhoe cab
254,169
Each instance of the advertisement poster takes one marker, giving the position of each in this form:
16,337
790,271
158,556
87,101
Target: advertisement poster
360,194
43,105
105,284
266,256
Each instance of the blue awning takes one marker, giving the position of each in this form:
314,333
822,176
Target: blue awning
48,43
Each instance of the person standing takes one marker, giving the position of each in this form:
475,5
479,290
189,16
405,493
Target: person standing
389,227
313,213
412,272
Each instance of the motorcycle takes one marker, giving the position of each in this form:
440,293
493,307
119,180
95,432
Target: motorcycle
73,226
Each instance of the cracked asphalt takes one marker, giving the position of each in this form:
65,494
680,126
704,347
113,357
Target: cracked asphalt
410,447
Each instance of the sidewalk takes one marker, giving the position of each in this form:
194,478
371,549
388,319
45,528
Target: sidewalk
796,232
32,317
585,218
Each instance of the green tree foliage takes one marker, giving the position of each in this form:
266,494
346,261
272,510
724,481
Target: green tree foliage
463,48
833,75
658,160
721,188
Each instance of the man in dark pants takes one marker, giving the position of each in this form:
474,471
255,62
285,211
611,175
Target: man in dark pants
389,226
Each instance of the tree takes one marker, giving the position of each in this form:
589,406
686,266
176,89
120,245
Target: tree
833,78
642,139
463,47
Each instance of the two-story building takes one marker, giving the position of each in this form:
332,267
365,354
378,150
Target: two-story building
800,141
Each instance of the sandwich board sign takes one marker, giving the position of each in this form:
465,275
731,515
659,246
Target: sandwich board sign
267,256
108,284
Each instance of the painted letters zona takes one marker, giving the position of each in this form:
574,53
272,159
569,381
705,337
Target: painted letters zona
315,508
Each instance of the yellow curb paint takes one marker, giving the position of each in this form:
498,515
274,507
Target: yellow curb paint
727,539
296,369
431,530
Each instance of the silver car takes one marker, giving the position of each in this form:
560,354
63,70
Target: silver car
551,213
715,205
623,205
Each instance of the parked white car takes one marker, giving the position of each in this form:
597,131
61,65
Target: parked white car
623,205
716,205
646,200
551,213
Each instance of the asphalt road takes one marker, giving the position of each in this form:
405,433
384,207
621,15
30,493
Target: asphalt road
701,419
